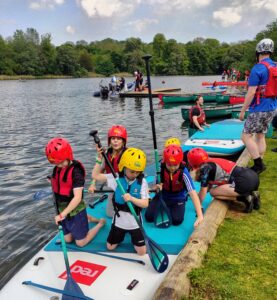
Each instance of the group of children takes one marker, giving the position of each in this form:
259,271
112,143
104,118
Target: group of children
68,179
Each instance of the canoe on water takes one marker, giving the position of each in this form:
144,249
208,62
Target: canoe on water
222,138
219,98
212,111
225,83
102,277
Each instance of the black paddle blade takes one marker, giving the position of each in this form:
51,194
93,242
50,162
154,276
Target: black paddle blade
162,217
157,255
72,286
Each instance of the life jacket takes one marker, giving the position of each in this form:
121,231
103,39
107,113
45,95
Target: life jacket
133,189
268,90
62,185
201,118
172,182
113,160
223,172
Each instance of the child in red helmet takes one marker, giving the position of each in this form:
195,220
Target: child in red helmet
117,140
224,180
68,181
176,184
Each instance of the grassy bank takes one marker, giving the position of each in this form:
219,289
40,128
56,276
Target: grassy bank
241,263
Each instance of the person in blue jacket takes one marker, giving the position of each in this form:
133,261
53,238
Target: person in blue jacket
262,106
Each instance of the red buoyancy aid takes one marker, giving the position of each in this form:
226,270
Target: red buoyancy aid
62,183
201,118
172,182
223,172
114,160
269,90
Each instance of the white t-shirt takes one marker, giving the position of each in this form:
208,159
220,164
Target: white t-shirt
126,220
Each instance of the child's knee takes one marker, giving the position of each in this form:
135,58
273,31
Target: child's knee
111,247
141,250
81,243
177,221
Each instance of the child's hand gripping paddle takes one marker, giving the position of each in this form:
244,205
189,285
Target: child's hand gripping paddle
157,255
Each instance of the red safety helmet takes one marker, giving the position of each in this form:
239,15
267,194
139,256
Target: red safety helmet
58,150
196,157
117,131
173,155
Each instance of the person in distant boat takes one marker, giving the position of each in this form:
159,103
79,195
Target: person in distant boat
121,83
176,184
238,75
130,171
261,98
113,84
117,140
223,75
224,180
197,115
137,81
68,181
246,75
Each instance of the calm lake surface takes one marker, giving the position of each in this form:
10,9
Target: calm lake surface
34,111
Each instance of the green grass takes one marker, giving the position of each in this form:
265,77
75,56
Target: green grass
241,263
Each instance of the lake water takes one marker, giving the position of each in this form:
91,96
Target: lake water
34,111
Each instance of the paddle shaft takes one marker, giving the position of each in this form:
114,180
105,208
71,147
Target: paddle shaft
151,113
62,236
55,290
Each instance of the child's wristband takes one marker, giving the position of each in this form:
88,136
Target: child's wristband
98,162
92,182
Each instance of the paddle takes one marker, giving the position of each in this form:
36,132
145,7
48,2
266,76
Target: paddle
70,285
157,255
141,262
46,193
68,294
162,217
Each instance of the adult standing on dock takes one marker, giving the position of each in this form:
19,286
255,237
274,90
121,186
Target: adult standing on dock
261,98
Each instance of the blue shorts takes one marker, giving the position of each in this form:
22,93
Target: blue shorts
76,225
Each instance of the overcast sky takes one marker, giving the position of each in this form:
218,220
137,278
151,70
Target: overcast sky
183,20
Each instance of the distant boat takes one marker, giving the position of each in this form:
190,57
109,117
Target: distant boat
212,111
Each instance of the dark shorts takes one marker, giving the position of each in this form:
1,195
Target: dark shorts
245,180
176,208
116,236
77,225
258,122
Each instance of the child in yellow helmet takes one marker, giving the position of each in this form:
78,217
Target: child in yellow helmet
131,167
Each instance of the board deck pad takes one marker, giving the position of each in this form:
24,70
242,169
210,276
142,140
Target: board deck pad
171,239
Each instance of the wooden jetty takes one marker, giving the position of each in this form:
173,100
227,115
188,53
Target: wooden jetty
144,94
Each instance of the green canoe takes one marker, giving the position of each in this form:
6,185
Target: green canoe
212,111
168,99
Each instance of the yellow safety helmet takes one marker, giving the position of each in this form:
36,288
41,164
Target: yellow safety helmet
172,141
133,159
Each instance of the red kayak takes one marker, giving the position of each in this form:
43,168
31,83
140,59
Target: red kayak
225,83
236,100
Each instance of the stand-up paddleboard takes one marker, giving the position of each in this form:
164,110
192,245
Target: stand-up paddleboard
101,277
223,138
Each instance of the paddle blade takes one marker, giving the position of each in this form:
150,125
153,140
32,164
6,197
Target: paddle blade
72,287
157,255
42,194
162,217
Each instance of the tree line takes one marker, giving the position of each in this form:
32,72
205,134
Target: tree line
28,53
